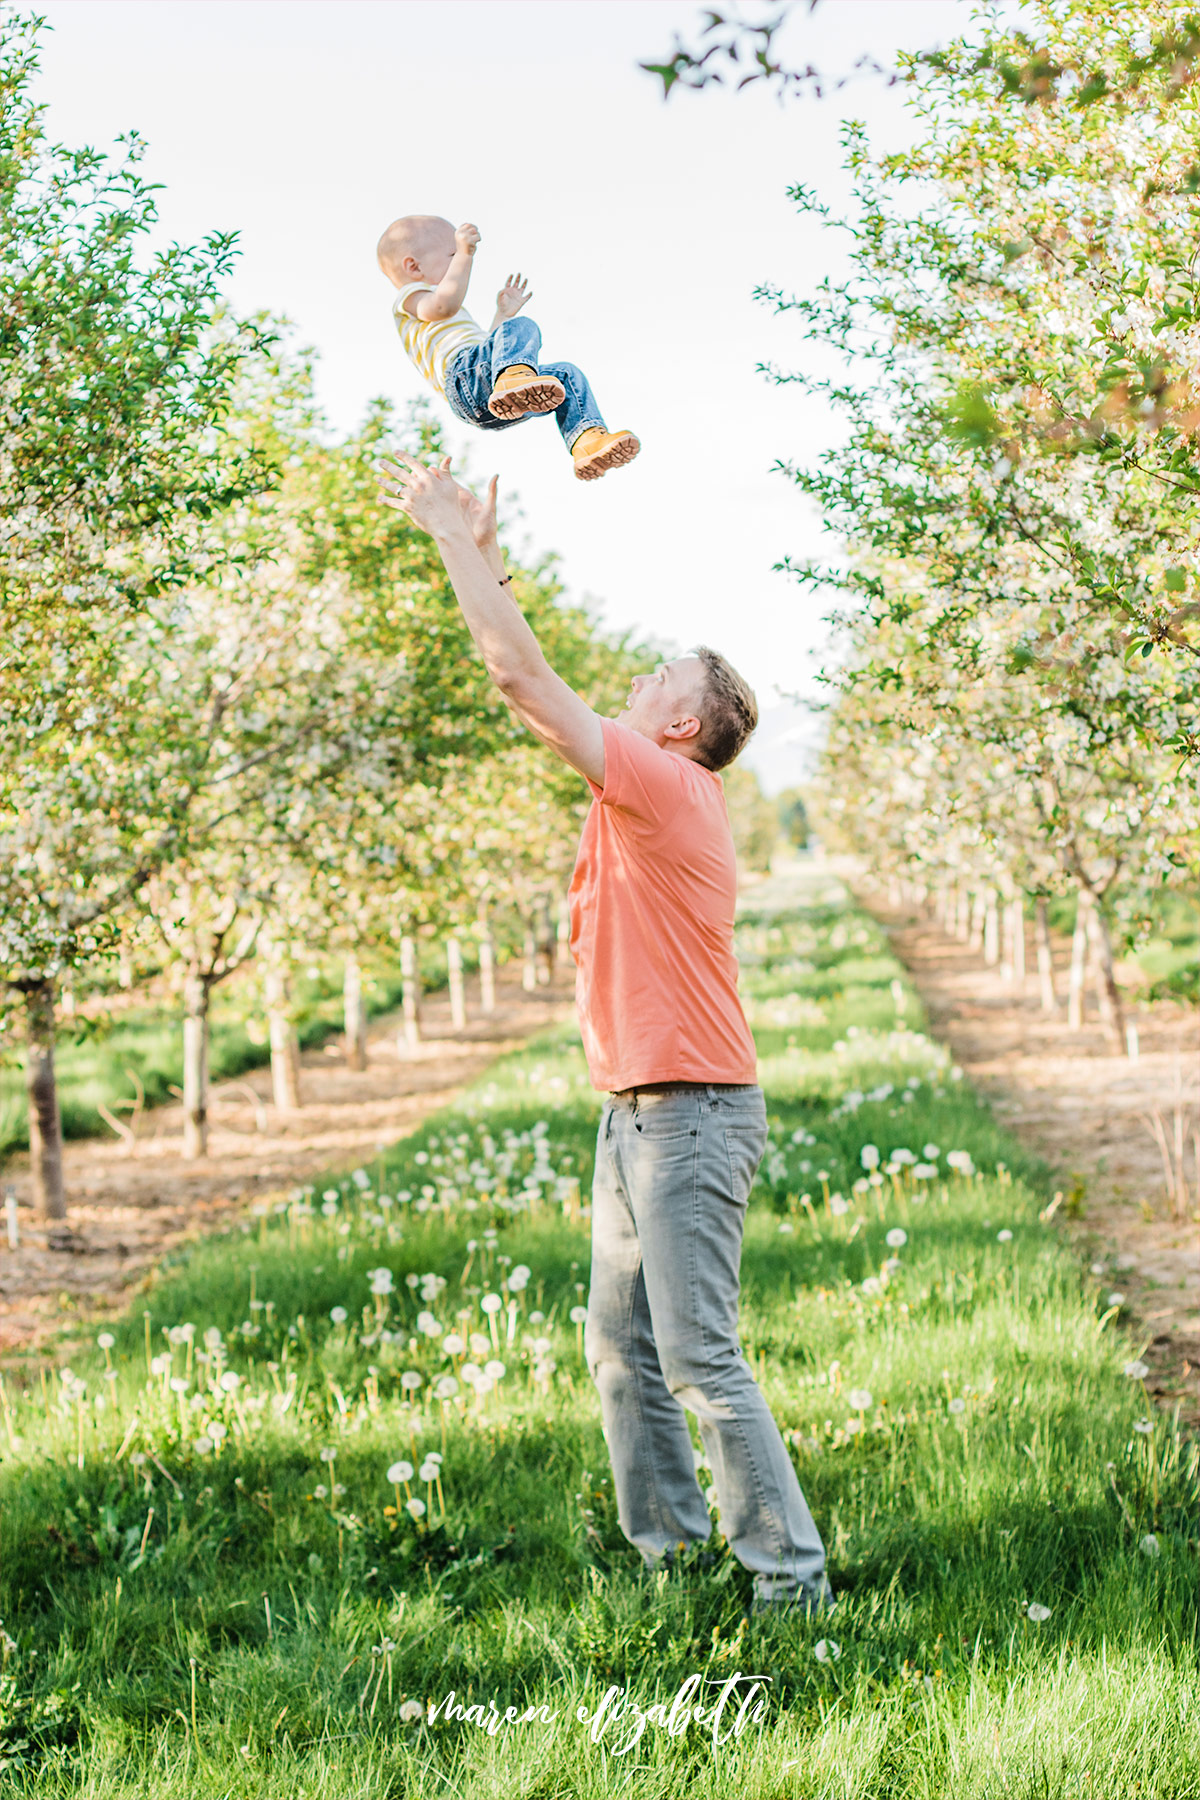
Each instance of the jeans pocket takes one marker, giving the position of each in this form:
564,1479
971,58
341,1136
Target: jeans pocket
661,1117
744,1145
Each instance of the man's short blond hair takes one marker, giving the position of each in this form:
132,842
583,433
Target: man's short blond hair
407,237
728,711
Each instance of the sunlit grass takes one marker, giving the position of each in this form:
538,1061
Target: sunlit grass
228,1564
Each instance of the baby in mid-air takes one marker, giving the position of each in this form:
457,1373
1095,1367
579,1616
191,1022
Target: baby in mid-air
491,378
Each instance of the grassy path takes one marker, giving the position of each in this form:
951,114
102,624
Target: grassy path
229,1567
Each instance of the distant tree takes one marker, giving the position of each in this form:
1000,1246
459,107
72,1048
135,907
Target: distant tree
752,816
793,817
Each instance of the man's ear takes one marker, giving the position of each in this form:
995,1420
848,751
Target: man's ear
685,728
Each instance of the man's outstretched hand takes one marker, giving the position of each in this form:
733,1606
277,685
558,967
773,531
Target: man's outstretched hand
434,500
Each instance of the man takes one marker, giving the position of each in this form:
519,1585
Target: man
684,1127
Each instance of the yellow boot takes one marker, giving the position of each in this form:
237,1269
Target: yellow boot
596,451
522,390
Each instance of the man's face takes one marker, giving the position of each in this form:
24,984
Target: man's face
668,696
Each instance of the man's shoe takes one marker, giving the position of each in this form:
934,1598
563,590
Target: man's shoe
522,390
803,1604
595,452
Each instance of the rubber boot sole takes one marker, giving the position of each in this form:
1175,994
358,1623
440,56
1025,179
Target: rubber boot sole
540,394
613,456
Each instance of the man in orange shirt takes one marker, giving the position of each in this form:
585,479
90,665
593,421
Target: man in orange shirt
684,1126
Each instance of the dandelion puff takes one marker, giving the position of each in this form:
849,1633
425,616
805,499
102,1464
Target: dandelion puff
896,1238
1145,1426
106,1340
578,1315
415,1508
1136,1371
203,1446
932,1152
410,1381
518,1278
869,1156
495,1369
435,1457
860,1399
338,1314
825,1650
446,1388
491,1303
399,1472
328,1455
957,1405
1115,1299
1004,1237
428,1471
411,1711
838,1205
1150,1545
1037,1612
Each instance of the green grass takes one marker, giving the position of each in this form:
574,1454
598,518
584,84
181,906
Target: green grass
207,1607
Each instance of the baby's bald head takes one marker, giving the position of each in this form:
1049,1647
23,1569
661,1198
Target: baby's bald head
410,246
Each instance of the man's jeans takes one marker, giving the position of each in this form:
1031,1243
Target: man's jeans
474,372
673,1175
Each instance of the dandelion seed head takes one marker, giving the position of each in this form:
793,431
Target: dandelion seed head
399,1472
896,1238
1037,1612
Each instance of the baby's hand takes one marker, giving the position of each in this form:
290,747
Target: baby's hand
512,297
466,238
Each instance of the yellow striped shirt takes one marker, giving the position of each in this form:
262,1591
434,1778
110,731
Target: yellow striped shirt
431,343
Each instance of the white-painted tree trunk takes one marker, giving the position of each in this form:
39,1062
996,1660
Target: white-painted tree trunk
45,1114
991,928
1016,930
458,999
529,974
1045,957
355,1014
285,1045
196,992
1079,956
410,991
487,973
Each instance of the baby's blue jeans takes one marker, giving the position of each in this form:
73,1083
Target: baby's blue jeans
474,372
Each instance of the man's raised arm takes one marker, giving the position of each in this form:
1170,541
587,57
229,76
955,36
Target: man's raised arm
464,530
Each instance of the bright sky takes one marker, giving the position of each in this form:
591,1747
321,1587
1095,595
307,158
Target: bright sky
306,125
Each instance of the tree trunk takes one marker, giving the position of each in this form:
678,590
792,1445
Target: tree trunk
487,972
410,981
1108,994
962,926
1045,956
458,1001
196,992
45,1116
285,1045
355,1014
1016,930
529,973
978,917
991,928
1079,948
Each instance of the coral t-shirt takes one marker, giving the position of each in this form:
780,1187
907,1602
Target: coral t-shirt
652,903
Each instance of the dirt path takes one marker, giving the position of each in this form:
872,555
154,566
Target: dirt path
1068,1097
127,1209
